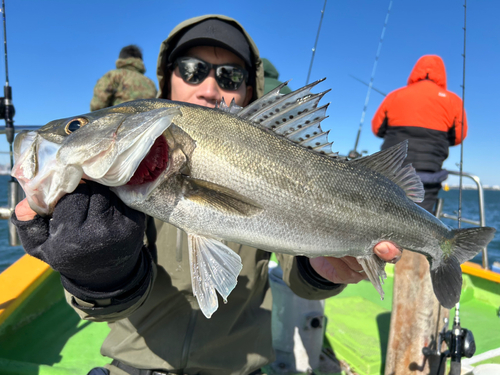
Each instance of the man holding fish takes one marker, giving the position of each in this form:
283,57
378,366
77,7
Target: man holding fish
157,294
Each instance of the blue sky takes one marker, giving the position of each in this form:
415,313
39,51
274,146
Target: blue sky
59,49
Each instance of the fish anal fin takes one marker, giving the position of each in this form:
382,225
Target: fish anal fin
374,268
220,198
214,266
389,164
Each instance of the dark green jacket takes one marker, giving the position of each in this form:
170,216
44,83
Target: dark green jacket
163,327
127,82
271,77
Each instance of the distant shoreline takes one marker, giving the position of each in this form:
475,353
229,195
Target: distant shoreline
473,187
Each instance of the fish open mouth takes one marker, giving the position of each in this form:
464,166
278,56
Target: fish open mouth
153,164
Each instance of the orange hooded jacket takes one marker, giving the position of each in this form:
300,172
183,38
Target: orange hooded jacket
423,112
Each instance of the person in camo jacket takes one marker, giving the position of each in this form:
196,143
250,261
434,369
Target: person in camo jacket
126,82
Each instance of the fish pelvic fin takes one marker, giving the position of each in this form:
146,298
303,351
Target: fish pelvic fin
446,274
374,268
214,266
388,163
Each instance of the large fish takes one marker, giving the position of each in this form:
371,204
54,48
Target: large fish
263,176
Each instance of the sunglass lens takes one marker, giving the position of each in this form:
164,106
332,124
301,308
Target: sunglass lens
230,77
193,71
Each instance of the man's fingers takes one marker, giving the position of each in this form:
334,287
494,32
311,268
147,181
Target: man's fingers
24,211
337,270
387,251
346,274
352,263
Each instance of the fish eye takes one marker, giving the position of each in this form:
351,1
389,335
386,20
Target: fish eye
75,124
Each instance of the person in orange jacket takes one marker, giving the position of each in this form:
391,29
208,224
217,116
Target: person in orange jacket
430,117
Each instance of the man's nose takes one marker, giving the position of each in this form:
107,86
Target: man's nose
209,89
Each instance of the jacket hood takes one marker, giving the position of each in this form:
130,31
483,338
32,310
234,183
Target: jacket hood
429,67
269,69
131,63
169,43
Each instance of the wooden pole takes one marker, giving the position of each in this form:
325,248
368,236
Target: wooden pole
416,319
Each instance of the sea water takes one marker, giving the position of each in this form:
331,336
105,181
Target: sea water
9,254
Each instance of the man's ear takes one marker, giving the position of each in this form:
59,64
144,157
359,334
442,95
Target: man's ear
248,96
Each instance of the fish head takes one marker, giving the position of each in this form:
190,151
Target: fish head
115,146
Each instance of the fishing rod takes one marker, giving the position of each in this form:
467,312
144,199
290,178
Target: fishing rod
354,153
315,43
367,84
460,340
7,110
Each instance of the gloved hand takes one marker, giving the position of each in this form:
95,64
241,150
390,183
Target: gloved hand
93,238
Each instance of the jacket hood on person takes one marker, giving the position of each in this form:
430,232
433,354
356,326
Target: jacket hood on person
429,67
271,76
169,43
269,69
131,63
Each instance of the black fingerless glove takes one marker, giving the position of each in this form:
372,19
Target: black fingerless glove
93,238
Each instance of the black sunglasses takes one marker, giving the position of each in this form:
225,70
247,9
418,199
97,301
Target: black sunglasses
194,71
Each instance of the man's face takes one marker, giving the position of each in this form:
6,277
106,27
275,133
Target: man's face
208,92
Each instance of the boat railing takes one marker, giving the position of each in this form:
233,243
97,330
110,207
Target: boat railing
482,221
16,193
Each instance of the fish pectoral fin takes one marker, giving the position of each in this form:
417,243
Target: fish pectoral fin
214,266
374,268
220,198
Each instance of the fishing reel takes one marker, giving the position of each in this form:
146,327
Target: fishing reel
7,112
460,343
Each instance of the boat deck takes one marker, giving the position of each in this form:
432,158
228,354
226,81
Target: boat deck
43,335
358,321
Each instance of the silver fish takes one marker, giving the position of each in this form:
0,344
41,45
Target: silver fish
263,176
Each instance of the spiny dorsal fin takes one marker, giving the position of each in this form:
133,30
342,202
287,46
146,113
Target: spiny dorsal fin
295,116
267,100
232,108
388,163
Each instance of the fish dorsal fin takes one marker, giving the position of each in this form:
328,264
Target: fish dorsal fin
232,108
214,266
271,97
388,163
295,116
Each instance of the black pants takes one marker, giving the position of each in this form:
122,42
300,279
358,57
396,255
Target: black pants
431,197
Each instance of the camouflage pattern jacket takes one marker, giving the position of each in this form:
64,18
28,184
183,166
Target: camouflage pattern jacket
127,82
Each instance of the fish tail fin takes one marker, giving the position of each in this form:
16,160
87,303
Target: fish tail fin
374,268
446,274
